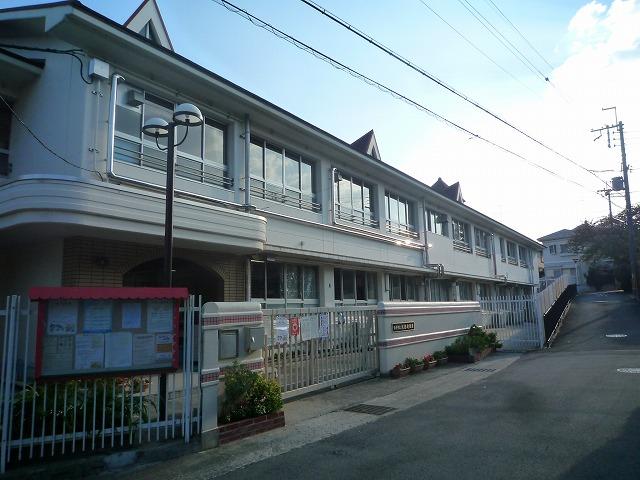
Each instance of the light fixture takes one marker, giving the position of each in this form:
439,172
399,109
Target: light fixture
188,114
156,127
429,245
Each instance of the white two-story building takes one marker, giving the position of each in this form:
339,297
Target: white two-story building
326,222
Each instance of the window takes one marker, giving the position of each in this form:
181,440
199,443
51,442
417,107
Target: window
461,237
564,248
354,286
402,287
552,249
439,291
201,157
484,290
276,284
399,212
523,255
483,245
512,253
354,201
281,175
437,223
5,133
503,250
465,291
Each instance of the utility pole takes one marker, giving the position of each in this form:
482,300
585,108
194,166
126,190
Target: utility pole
627,196
607,193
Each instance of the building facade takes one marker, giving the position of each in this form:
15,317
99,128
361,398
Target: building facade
268,207
560,260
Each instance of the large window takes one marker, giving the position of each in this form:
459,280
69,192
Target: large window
399,212
402,287
461,235
523,255
465,291
564,248
482,245
552,249
503,250
354,200
512,253
200,157
5,133
439,291
277,285
282,175
437,223
354,287
484,290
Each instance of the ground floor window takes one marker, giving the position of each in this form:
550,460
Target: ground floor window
439,291
403,287
354,286
484,290
465,291
278,285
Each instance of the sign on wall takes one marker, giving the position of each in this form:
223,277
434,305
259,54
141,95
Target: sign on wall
403,326
85,331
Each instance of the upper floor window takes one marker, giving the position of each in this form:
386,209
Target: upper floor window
282,175
482,245
399,212
276,284
5,133
503,250
523,255
402,287
552,249
512,253
200,157
461,235
437,223
564,248
354,200
354,286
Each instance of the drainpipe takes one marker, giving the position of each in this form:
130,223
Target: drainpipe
493,254
426,240
248,279
247,161
332,215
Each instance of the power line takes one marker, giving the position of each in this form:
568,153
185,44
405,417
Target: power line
74,52
42,143
336,64
433,78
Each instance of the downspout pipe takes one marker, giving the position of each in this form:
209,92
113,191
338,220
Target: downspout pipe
247,162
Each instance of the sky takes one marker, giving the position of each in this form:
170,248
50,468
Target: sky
589,51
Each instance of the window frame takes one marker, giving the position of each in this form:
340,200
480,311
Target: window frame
367,217
432,224
512,259
522,256
482,242
338,293
461,235
553,250
286,302
405,227
404,282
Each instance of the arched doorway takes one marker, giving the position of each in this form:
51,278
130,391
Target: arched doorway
199,280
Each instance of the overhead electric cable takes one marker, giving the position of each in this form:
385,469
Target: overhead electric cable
74,52
433,78
336,64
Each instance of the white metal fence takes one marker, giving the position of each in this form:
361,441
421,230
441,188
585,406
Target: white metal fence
345,350
547,297
515,321
64,417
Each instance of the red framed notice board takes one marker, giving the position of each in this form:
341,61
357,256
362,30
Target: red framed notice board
97,331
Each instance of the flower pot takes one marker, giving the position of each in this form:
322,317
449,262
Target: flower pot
425,366
442,361
416,368
399,372
433,363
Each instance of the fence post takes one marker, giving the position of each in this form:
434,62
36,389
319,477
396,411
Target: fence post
539,315
11,314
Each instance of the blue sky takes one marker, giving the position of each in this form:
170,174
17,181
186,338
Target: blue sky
573,36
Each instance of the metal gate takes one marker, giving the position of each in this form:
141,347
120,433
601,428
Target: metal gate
65,417
344,350
515,320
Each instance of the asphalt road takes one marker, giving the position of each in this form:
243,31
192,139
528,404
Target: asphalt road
565,413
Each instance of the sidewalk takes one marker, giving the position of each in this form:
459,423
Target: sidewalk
319,416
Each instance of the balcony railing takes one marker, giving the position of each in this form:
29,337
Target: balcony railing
512,260
354,216
399,229
483,252
275,193
461,246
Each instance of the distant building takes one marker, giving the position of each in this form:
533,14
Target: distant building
558,259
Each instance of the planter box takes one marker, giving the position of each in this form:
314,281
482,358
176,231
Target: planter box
418,368
461,359
443,361
399,372
472,357
230,432
480,354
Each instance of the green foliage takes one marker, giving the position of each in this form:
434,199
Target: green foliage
428,358
597,277
248,394
476,339
439,354
411,362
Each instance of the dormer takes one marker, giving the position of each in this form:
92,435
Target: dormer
147,21
367,144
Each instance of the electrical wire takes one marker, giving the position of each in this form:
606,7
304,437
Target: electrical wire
74,52
441,83
42,143
336,64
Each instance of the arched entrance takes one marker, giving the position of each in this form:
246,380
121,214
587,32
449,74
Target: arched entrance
199,280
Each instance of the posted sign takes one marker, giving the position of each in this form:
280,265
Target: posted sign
86,331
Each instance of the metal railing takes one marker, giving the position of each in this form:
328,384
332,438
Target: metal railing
341,348
400,229
461,246
515,321
552,291
276,194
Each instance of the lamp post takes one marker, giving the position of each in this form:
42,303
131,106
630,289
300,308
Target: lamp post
186,115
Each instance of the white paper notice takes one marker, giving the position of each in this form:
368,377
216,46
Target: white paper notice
131,315
159,316
118,348
282,329
62,318
57,355
324,325
89,351
164,347
309,327
144,349
98,316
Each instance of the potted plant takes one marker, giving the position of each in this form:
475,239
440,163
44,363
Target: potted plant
440,357
428,361
413,364
399,370
492,337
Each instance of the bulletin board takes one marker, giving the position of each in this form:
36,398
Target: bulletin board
97,331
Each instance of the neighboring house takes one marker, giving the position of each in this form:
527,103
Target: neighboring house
559,259
325,222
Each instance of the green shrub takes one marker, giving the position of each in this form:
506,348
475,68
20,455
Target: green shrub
439,355
476,339
248,394
411,362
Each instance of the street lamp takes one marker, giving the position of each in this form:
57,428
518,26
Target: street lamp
186,115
